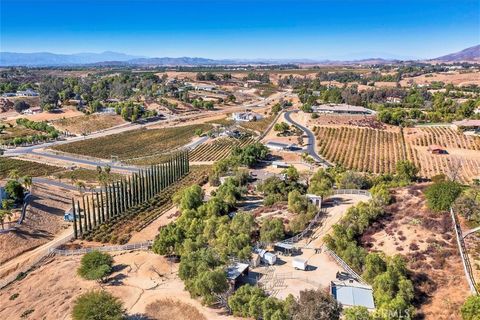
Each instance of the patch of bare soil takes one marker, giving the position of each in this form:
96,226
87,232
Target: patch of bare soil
44,220
169,309
88,123
427,241
140,279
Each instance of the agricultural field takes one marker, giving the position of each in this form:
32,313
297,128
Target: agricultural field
222,122
362,149
86,175
462,160
136,143
120,229
29,168
378,151
88,123
258,126
218,149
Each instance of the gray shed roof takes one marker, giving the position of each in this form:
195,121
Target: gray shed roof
235,270
353,294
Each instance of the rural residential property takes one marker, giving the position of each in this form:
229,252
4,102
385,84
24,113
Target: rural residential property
228,160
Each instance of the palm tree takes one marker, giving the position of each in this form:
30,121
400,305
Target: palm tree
27,182
3,215
14,174
80,185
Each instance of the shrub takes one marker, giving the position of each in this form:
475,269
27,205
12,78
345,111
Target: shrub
95,265
440,196
471,308
97,305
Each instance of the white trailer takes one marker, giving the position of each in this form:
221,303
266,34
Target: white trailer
299,264
269,258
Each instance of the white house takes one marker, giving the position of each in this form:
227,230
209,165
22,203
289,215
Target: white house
246,116
277,146
27,93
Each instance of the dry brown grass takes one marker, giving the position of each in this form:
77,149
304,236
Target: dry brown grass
88,123
169,309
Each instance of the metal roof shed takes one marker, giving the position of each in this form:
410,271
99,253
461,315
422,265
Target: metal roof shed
353,294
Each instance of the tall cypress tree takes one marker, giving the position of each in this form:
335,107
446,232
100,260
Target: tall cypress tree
99,218
85,214
103,205
75,232
79,218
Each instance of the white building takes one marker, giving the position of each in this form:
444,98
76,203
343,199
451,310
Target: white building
277,146
246,116
27,93
315,200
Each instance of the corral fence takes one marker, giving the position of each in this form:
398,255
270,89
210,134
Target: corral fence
467,267
307,231
291,275
343,264
353,191
126,247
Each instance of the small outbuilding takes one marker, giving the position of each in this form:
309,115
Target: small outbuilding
235,271
267,257
352,294
284,248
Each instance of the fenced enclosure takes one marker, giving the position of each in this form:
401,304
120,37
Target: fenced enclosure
93,210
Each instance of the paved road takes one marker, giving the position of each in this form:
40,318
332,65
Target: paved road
311,140
73,159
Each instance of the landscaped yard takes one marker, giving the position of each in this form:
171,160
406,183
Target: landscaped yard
136,143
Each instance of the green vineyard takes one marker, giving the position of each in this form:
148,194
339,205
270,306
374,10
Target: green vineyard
119,229
219,149
123,197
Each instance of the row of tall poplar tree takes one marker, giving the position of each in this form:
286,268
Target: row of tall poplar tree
113,200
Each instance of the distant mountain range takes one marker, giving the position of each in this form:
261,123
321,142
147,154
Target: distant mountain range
469,54
108,58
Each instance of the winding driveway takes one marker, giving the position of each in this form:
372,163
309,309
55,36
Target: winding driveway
311,140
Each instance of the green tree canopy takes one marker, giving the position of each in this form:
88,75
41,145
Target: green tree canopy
440,196
272,230
95,265
97,305
471,308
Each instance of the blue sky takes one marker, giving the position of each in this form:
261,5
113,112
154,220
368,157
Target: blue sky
341,29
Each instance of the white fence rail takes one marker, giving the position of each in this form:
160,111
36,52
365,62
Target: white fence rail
126,247
353,191
32,263
463,254
344,265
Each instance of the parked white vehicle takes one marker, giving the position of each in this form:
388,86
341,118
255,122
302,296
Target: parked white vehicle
299,264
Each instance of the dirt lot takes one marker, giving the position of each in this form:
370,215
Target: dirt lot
44,220
140,279
47,116
427,241
88,123
454,77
